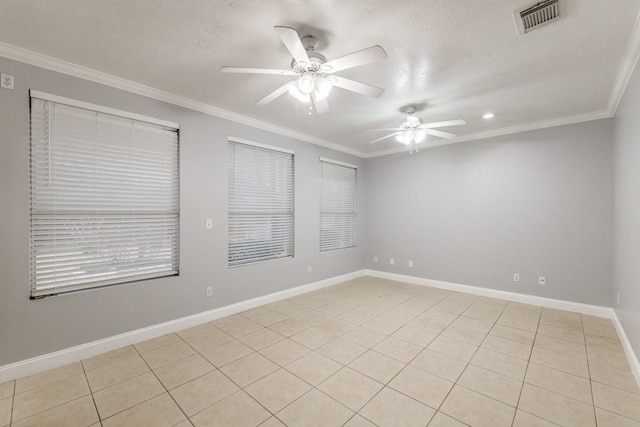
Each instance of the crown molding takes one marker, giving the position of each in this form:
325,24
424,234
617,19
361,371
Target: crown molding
43,61
627,66
562,121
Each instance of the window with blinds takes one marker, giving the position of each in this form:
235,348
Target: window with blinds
337,206
104,196
260,203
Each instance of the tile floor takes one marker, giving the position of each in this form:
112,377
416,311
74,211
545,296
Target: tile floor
368,352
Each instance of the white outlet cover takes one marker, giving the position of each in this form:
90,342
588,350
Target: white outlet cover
542,280
309,269
516,277
375,259
6,81
392,261
411,264
209,224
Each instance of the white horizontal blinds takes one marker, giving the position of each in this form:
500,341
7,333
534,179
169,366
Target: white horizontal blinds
337,207
260,204
104,199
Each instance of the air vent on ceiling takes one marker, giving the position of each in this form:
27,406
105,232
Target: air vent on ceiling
538,15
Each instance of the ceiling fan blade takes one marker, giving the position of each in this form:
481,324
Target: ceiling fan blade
321,106
273,95
245,70
362,57
440,134
375,130
443,124
357,87
291,40
384,137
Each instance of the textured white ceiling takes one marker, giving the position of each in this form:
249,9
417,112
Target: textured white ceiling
453,58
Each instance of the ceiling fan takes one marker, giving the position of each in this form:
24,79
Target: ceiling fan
314,74
412,131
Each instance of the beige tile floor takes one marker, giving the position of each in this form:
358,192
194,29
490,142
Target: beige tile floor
368,352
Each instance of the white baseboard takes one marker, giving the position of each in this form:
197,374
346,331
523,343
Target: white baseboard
594,310
73,354
626,344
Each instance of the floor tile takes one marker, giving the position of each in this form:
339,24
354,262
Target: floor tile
204,328
285,352
7,389
525,419
313,337
576,336
350,388
398,349
49,396
508,347
314,368
182,371
422,386
226,353
499,387
109,357
614,377
561,346
518,323
342,350
249,369
358,421
568,385
158,412
290,327
355,317
500,363
556,408
213,337
237,410
157,342
439,364
390,408
434,321
203,392
617,401
269,318
6,406
443,420
513,334
240,327
453,348
476,409
79,412
117,372
365,337
261,339
47,377
415,336
127,394
272,422
277,390
377,366
609,419
336,327
315,409
561,362
167,354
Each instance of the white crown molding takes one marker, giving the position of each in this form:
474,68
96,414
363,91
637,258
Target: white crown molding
627,66
562,121
43,61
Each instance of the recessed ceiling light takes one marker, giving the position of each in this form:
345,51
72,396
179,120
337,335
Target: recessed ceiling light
488,116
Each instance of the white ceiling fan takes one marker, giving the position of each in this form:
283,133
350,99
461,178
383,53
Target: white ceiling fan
314,74
412,131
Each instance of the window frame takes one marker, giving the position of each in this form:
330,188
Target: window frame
354,245
128,273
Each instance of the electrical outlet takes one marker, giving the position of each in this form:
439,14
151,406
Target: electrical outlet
392,261
209,291
375,259
309,269
410,264
516,277
6,81
542,280
209,224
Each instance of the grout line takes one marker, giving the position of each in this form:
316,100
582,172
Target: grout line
91,392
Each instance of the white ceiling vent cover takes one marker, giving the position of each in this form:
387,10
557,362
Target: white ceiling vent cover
539,15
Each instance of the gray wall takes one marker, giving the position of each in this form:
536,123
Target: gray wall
31,328
626,273
534,203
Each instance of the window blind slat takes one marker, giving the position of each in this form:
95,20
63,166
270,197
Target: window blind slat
260,204
104,199
337,207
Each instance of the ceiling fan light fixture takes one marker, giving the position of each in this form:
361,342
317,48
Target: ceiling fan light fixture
310,83
294,90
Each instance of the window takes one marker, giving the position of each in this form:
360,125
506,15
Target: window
260,202
104,196
337,206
